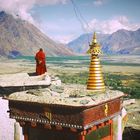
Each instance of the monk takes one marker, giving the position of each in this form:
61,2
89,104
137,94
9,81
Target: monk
40,62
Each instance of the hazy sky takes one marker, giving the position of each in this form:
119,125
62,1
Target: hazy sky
64,20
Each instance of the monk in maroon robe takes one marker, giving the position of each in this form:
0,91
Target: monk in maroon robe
40,62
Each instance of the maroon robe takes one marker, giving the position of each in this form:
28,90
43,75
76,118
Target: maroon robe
40,62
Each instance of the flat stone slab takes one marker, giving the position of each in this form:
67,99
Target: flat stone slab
10,83
21,79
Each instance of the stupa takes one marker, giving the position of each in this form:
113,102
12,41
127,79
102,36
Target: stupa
96,80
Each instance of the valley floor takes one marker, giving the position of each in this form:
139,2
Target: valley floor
125,74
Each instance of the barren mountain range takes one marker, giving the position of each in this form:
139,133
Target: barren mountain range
18,37
119,42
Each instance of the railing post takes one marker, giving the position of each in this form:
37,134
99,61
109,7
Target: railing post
16,131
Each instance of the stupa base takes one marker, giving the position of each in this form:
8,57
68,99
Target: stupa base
96,89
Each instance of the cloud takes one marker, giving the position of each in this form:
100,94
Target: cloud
99,2
64,38
22,7
59,31
112,25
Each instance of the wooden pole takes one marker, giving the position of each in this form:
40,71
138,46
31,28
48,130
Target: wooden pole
16,131
25,132
26,137
111,129
82,135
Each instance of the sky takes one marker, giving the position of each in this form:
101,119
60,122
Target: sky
65,20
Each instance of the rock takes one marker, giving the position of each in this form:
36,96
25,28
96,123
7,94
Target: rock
53,93
47,79
56,83
56,78
55,88
129,102
64,95
39,92
34,92
84,102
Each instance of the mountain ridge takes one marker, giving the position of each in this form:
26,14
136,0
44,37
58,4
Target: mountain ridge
20,37
119,42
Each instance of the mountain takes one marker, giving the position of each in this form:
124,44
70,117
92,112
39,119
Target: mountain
19,37
119,42
81,44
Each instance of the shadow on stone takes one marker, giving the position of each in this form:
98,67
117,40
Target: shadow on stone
131,134
32,74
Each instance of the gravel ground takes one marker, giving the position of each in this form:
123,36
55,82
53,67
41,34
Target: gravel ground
65,95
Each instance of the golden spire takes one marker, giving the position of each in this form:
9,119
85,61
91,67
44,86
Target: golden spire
94,38
95,80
